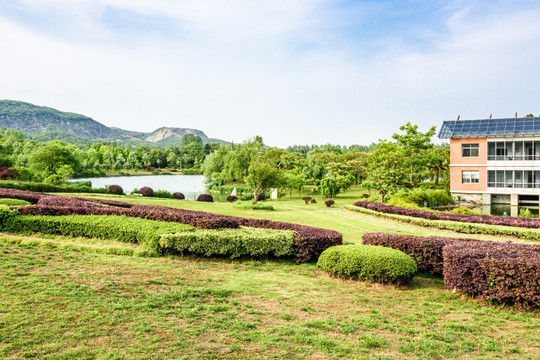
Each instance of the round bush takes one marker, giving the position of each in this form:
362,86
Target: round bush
369,263
261,197
307,199
329,202
231,198
179,196
146,191
205,198
313,201
115,189
365,196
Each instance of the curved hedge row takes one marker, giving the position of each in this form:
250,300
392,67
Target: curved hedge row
309,242
480,219
466,228
368,263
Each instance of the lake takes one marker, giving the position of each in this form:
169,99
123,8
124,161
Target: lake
189,185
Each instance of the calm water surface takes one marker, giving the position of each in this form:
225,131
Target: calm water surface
189,185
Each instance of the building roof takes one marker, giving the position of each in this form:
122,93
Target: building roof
489,127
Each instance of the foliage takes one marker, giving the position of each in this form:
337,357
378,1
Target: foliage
146,191
115,189
119,228
306,199
254,206
427,252
41,187
328,187
387,169
313,201
52,156
262,176
525,212
179,196
232,243
261,197
507,273
402,202
329,202
460,227
231,198
54,179
465,211
13,202
481,219
414,143
163,194
205,198
425,197
368,263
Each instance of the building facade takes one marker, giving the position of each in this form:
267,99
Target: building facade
495,160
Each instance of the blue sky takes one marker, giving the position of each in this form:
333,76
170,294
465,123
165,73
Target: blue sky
295,72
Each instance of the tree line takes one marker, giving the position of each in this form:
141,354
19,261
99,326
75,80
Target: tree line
406,161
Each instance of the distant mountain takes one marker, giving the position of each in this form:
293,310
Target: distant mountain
43,124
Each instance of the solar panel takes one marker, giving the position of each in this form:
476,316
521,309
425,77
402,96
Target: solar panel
486,127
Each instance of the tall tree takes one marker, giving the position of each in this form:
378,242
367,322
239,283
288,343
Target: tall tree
414,142
387,168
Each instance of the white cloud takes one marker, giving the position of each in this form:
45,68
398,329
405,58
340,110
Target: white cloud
280,69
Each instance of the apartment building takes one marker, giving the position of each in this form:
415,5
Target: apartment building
495,160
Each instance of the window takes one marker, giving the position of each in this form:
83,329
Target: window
469,150
470,177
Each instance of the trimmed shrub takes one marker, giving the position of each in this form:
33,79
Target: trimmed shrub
163,194
365,196
502,272
231,243
146,191
231,198
307,199
118,228
13,202
427,252
465,211
261,197
179,196
205,198
30,196
481,219
115,189
368,263
313,201
329,202
42,187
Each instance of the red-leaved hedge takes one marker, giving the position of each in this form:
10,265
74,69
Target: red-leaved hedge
479,219
30,196
502,272
427,252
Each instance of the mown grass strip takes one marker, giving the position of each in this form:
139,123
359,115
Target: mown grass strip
78,245
466,228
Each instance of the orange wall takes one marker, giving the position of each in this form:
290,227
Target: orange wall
455,151
456,159
455,179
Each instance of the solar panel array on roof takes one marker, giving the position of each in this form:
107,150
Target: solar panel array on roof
490,127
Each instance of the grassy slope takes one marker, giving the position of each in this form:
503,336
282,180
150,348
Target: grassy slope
57,303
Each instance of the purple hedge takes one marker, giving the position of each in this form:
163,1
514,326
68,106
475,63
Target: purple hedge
146,191
205,198
179,196
479,219
502,272
115,189
427,252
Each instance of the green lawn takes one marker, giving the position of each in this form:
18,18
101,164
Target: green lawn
73,298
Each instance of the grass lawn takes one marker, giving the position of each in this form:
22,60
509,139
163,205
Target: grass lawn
61,304
73,298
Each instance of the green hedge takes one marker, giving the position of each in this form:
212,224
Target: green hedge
368,263
49,188
120,228
466,228
13,202
232,242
